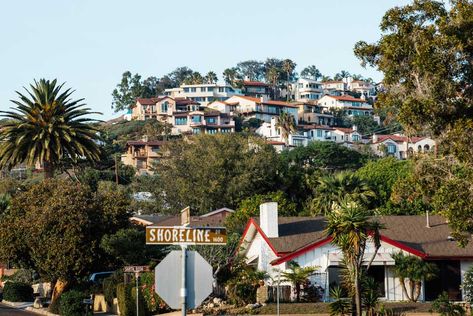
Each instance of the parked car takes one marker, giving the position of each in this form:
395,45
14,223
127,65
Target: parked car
98,277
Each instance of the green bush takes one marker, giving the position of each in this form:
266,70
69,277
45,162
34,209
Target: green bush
126,295
71,303
17,292
444,307
109,287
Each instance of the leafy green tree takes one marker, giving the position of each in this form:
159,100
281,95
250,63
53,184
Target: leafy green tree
412,270
382,174
179,75
425,54
194,78
235,167
467,285
249,207
335,189
351,229
251,69
365,124
47,127
297,276
287,125
55,228
125,94
311,72
128,246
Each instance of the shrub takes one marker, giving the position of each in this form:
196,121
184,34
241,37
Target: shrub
125,300
444,307
71,304
17,292
109,287
467,285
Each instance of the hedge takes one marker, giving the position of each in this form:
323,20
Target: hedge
126,295
17,292
71,303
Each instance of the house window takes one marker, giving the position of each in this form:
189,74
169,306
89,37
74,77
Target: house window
181,120
210,89
426,148
203,89
391,149
211,120
297,142
164,107
211,131
319,133
225,130
355,138
186,89
221,89
196,130
196,119
193,89
155,149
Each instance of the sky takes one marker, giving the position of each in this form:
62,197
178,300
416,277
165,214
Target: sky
89,43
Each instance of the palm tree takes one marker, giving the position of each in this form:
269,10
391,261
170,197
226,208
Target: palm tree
272,76
297,276
211,77
231,76
311,72
350,228
325,78
286,124
47,127
288,66
335,189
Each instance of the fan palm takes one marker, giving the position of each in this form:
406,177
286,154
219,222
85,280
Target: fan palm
47,127
211,77
288,66
286,124
335,189
272,77
297,276
350,228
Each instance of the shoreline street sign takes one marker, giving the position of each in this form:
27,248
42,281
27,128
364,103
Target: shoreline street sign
135,269
178,235
168,278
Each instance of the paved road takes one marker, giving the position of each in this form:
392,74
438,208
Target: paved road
6,310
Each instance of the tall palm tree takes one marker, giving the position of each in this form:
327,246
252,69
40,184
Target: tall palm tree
351,228
335,189
272,76
288,66
297,276
286,124
47,127
211,77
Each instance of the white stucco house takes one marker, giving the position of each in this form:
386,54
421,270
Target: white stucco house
269,242
400,146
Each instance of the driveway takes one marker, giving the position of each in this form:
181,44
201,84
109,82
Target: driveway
7,310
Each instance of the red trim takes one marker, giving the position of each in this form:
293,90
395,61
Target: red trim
301,251
258,228
403,247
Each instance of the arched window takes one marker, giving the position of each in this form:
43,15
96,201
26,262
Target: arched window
419,148
426,148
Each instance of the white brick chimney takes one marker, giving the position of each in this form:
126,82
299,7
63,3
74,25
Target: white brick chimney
268,218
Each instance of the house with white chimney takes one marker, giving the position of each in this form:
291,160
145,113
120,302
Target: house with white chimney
269,242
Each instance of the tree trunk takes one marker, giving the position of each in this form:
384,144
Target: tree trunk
48,170
59,288
357,293
298,292
418,286
404,289
412,288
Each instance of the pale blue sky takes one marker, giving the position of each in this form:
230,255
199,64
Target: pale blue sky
90,43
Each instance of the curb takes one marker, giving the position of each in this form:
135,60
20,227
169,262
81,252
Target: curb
17,304
40,311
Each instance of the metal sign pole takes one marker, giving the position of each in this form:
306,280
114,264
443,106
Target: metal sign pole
137,293
183,281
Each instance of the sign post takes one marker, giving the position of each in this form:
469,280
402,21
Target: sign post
136,270
199,269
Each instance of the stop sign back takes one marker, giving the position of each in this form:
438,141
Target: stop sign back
168,277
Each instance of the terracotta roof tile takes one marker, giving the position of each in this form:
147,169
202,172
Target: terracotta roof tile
255,83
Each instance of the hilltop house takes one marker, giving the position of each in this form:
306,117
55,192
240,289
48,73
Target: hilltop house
350,105
304,90
203,93
400,146
141,155
270,242
261,108
256,89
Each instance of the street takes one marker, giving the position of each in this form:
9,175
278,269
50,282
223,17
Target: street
6,310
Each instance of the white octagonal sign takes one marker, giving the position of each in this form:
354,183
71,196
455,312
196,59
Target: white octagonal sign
168,277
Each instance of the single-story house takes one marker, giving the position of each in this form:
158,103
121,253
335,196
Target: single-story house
270,242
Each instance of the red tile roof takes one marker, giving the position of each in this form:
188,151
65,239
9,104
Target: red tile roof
280,103
185,101
344,129
255,83
150,101
398,139
315,126
257,100
346,98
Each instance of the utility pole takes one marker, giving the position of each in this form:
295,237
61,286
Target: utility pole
183,281
116,169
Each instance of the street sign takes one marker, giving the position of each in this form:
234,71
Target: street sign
135,269
186,216
198,282
178,235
